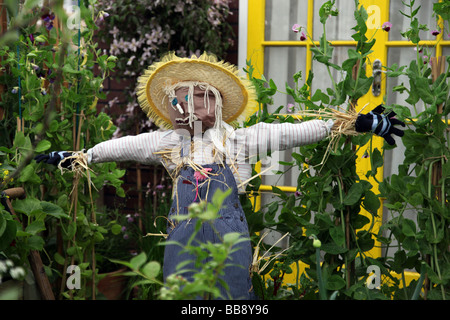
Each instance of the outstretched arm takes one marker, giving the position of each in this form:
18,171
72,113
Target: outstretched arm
264,137
139,148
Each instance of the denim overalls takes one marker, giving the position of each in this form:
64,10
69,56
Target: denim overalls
231,219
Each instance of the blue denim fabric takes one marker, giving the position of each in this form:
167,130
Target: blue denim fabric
231,219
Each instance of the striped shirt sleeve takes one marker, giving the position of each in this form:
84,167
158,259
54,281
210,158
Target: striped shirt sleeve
139,148
264,137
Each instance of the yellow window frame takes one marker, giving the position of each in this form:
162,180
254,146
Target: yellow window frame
256,43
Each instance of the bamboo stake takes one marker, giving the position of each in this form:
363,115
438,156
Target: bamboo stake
437,68
3,29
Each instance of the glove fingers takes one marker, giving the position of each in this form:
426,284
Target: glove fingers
41,157
396,121
397,132
53,160
389,139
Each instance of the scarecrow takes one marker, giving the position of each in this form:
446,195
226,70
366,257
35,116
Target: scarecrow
198,103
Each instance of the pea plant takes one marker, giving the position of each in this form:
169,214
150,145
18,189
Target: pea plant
330,219
52,79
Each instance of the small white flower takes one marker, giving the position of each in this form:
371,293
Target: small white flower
17,273
3,267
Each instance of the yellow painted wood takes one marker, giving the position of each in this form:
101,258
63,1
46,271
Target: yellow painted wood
255,35
255,52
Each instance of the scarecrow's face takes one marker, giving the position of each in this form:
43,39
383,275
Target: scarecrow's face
179,115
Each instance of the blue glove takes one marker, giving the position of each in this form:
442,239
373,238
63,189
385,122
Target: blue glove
380,124
55,158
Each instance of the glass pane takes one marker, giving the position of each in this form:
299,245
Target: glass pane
401,56
339,27
321,78
280,65
446,51
281,15
400,23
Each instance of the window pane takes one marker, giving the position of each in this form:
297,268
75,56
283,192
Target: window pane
281,15
401,56
339,27
446,51
321,78
400,23
280,65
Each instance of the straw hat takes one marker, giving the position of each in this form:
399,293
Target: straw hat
238,93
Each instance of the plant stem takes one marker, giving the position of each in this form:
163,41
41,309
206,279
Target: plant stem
419,282
433,223
322,290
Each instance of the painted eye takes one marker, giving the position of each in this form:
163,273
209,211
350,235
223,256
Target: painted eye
174,101
186,98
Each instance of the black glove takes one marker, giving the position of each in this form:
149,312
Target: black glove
55,158
380,124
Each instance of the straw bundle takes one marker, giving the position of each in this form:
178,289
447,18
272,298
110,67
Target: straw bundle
79,167
344,124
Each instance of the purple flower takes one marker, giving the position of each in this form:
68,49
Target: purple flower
290,107
298,193
386,26
15,90
48,20
435,32
296,28
31,38
302,36
124,229
159,187
130,218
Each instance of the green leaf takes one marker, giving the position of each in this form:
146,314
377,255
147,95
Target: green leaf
408,228
27,206
53,210
335,282
116,229
151,269
8,235
332,248
36,243
337,234
28,174
371,202
137,261
423,90
42,146
35,227
59,259
354,194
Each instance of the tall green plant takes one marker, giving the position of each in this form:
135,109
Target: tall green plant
53,78
422,182
327,206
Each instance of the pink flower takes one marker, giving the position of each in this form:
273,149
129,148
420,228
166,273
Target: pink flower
201,175
435,32
302,36
290,107
386,26
296,28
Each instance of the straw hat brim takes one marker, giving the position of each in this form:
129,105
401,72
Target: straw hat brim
238,93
